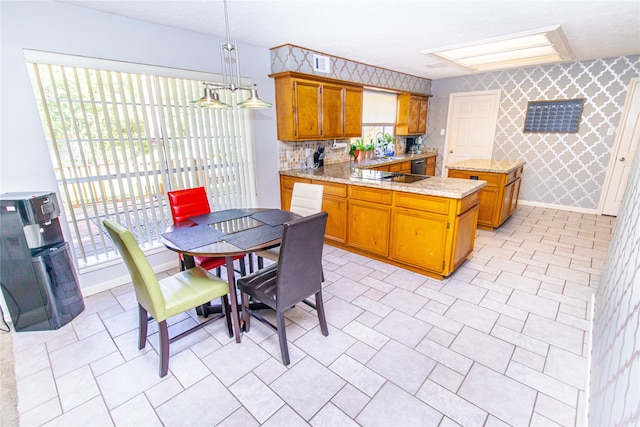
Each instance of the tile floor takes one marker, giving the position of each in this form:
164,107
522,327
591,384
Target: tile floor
503,341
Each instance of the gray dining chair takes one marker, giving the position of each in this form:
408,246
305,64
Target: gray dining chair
296,277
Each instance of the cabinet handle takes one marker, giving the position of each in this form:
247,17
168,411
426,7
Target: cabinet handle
622,159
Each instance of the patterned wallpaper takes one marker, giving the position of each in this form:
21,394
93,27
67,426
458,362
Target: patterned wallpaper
294,58
562,169
615,355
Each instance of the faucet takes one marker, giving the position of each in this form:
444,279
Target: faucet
380,148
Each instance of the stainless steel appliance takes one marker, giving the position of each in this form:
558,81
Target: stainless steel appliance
37,275
419,166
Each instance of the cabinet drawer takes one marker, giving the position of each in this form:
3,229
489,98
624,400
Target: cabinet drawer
468,202
437,205
493,179
288,181
396,167
370,194
431,161
332,189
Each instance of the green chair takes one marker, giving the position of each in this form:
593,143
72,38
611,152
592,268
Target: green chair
168,297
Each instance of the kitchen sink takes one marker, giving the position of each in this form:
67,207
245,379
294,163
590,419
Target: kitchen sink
405,178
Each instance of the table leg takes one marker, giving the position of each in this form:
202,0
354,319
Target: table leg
231,279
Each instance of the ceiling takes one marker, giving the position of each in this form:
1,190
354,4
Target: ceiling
392,34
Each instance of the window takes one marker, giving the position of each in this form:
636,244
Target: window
378,114
122,135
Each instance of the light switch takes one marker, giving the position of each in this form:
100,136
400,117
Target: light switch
441,132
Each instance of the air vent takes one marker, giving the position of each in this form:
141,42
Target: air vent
321,64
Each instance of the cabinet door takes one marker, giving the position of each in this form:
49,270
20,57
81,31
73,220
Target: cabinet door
369,225
431,166
336,207
332,122
353,112
307,109
419,238
414,115
418,115
506,205
422,116
489,206
464,234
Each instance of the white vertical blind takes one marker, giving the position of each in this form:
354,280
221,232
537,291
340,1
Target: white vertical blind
119,141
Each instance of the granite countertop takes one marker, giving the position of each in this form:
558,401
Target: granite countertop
349,172
485,165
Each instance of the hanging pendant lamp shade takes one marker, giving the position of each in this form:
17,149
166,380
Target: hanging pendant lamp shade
254,101
210,99
230,77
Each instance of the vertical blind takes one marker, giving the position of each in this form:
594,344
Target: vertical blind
119,141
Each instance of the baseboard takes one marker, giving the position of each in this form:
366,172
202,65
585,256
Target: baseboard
124,279
557,207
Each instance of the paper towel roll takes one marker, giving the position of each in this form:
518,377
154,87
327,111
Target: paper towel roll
338,145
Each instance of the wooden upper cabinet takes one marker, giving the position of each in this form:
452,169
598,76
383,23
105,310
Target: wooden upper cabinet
352,112
332,117
313,108
411,114
307,104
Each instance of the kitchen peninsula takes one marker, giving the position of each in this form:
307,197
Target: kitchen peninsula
422,223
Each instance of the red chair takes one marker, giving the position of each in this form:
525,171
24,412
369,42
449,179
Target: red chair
192,202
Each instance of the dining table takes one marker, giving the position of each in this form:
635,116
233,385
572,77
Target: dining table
227,233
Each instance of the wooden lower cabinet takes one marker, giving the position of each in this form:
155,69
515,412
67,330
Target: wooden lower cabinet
368,226
427,234
499,198
431,166
334,202
419,238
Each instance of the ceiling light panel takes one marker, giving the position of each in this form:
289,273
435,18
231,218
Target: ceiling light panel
518,50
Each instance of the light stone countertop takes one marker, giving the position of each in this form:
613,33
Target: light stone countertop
347,173
398,158
485,165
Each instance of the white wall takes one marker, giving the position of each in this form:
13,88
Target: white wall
56,27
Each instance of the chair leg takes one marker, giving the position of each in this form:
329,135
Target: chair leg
260,263
250,256
227,314
219,272
321,316
245,311
243,267
282,337
164,347
142,319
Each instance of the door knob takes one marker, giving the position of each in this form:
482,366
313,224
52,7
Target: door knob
450,151
622,159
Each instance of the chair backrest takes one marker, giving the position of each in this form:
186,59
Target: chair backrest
144,280
187,203
306,199
300,260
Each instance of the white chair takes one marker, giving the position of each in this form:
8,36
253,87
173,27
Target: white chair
306,200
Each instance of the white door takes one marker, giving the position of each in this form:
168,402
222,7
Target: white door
623,152
471,126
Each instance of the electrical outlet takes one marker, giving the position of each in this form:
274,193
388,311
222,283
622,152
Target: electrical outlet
307,152
441,132
288,154
610,131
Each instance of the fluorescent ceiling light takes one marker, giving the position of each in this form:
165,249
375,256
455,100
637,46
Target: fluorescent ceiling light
543,46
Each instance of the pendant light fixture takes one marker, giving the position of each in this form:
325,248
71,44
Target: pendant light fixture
230,77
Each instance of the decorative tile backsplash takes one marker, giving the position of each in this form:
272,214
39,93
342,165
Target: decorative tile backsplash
615,355
566,169
298,59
